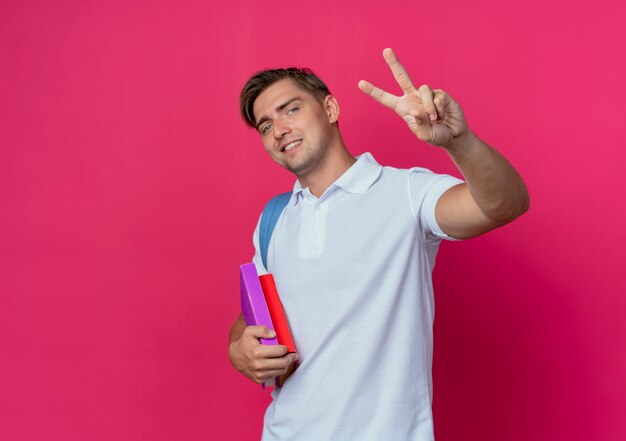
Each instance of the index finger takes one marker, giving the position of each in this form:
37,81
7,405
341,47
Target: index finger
386,99
398,71
274,351
270,351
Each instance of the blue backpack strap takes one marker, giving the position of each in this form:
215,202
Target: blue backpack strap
271,213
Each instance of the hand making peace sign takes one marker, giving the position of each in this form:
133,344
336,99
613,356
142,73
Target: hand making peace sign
432,115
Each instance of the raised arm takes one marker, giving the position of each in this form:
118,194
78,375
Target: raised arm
494,193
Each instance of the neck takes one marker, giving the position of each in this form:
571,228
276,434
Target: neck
338,159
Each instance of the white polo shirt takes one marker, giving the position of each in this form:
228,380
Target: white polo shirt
353,270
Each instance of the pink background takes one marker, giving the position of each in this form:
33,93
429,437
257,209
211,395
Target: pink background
129,189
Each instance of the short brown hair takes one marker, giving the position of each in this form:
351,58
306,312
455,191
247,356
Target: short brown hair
303,77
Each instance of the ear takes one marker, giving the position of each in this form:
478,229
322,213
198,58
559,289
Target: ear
331,106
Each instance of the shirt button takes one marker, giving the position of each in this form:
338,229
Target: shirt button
317,208
316,229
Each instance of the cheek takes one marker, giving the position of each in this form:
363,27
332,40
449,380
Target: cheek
322,132
274,154
267,142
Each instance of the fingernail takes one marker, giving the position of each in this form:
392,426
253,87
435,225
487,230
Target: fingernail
432,117
272,334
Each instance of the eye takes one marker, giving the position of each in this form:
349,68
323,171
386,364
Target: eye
265,128
292,110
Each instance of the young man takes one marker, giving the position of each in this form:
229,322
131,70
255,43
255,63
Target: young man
353,253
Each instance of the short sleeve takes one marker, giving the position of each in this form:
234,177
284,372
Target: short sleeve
425,189
257,260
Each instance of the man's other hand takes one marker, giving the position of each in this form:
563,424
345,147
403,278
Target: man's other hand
432,115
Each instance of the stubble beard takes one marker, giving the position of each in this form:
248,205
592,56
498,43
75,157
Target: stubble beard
310,160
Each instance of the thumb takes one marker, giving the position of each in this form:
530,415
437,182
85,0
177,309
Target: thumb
261,332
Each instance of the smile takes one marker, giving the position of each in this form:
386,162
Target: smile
291,145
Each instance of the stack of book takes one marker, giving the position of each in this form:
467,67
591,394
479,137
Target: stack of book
261,306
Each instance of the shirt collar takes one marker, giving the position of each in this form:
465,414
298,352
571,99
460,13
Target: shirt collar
357,179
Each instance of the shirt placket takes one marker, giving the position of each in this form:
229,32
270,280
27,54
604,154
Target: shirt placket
315,225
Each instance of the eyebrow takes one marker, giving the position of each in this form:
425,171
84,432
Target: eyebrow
278,109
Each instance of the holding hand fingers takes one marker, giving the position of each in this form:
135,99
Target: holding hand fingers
432,115
257,361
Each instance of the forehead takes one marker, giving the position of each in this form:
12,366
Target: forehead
275,95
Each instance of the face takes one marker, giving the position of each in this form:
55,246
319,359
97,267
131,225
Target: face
295,127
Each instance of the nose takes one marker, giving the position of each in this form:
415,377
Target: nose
281,128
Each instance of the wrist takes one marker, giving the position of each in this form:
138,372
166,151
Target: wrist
232,352
461,142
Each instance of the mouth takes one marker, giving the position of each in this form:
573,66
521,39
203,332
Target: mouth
290,146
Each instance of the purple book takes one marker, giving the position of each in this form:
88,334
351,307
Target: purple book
253,304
